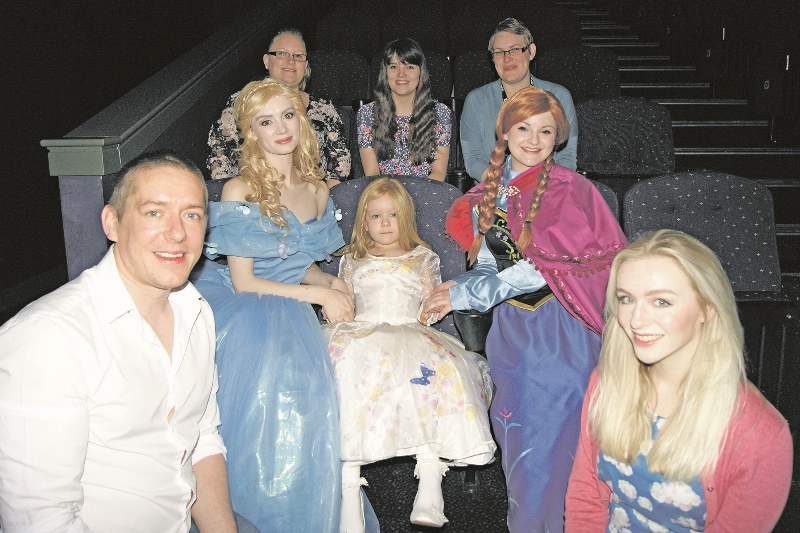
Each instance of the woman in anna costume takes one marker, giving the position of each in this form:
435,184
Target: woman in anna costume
540,238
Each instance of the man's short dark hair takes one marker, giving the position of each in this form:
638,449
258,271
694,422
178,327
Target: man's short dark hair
126,184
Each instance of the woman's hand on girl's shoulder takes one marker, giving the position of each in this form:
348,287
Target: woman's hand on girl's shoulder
235,190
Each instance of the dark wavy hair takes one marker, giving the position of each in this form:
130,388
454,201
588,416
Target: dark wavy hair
421,140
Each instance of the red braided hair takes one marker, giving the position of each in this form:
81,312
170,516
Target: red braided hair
524,104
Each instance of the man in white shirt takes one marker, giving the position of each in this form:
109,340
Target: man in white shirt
108,412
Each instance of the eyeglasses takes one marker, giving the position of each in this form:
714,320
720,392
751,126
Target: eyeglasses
280,54
498,54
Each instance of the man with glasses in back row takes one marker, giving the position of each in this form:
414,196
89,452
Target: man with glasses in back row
512,49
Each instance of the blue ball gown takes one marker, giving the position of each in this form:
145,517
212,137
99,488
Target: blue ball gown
277,393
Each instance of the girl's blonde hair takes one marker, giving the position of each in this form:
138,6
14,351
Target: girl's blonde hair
264,180
620,409
524,104
361,242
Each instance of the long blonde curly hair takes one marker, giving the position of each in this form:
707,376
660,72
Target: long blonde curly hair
524,104
262,178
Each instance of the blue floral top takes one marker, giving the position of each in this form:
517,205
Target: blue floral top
642,501
400,164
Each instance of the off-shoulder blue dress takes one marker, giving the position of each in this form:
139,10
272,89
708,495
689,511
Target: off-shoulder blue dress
277,392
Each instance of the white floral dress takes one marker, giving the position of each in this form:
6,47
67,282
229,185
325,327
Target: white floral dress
404,386
642,501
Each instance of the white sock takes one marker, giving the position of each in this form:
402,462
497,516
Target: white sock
429,470
352,517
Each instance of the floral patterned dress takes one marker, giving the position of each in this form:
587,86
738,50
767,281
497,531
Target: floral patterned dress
400,164
223,139
646,502
404,386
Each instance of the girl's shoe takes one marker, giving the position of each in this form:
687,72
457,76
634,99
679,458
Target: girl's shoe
427,516
428,503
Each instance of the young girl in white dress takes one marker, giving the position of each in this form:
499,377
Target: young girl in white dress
405,388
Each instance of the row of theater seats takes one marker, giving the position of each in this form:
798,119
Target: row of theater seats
449,27
622,137
344,76
730,214
347,78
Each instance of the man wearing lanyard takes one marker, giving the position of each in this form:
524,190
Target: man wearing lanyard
512,49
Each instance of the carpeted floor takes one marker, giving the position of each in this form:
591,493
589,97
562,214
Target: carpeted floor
471,507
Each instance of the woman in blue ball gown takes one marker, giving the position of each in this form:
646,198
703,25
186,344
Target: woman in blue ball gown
277,393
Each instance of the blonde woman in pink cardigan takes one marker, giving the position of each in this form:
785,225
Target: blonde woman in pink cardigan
673,435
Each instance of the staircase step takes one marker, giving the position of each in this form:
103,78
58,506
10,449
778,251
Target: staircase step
590,13
592,25
588,22
657,73
634,59
610,38
720,123
753,163
658,68
604,25
707,108
666,89
721,133
608,31
626,48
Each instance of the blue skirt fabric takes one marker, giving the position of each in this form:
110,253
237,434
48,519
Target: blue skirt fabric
541,361
279,410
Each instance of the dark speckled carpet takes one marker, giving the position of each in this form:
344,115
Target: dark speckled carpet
471,507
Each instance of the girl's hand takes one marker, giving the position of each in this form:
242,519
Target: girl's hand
425,316
443,287
439,300
340,285
337,306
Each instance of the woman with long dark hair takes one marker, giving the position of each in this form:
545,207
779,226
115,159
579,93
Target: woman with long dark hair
541,238
404,131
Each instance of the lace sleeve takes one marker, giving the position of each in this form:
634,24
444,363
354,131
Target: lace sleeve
430,273
430,276
334,152
223,139
346,268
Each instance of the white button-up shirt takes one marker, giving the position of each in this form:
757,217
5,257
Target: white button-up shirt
86,388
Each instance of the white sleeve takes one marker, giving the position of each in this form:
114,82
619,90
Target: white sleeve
210,441
44,426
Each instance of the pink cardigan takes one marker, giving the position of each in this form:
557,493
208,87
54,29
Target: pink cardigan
747,491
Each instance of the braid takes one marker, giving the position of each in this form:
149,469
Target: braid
489,198
536,203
